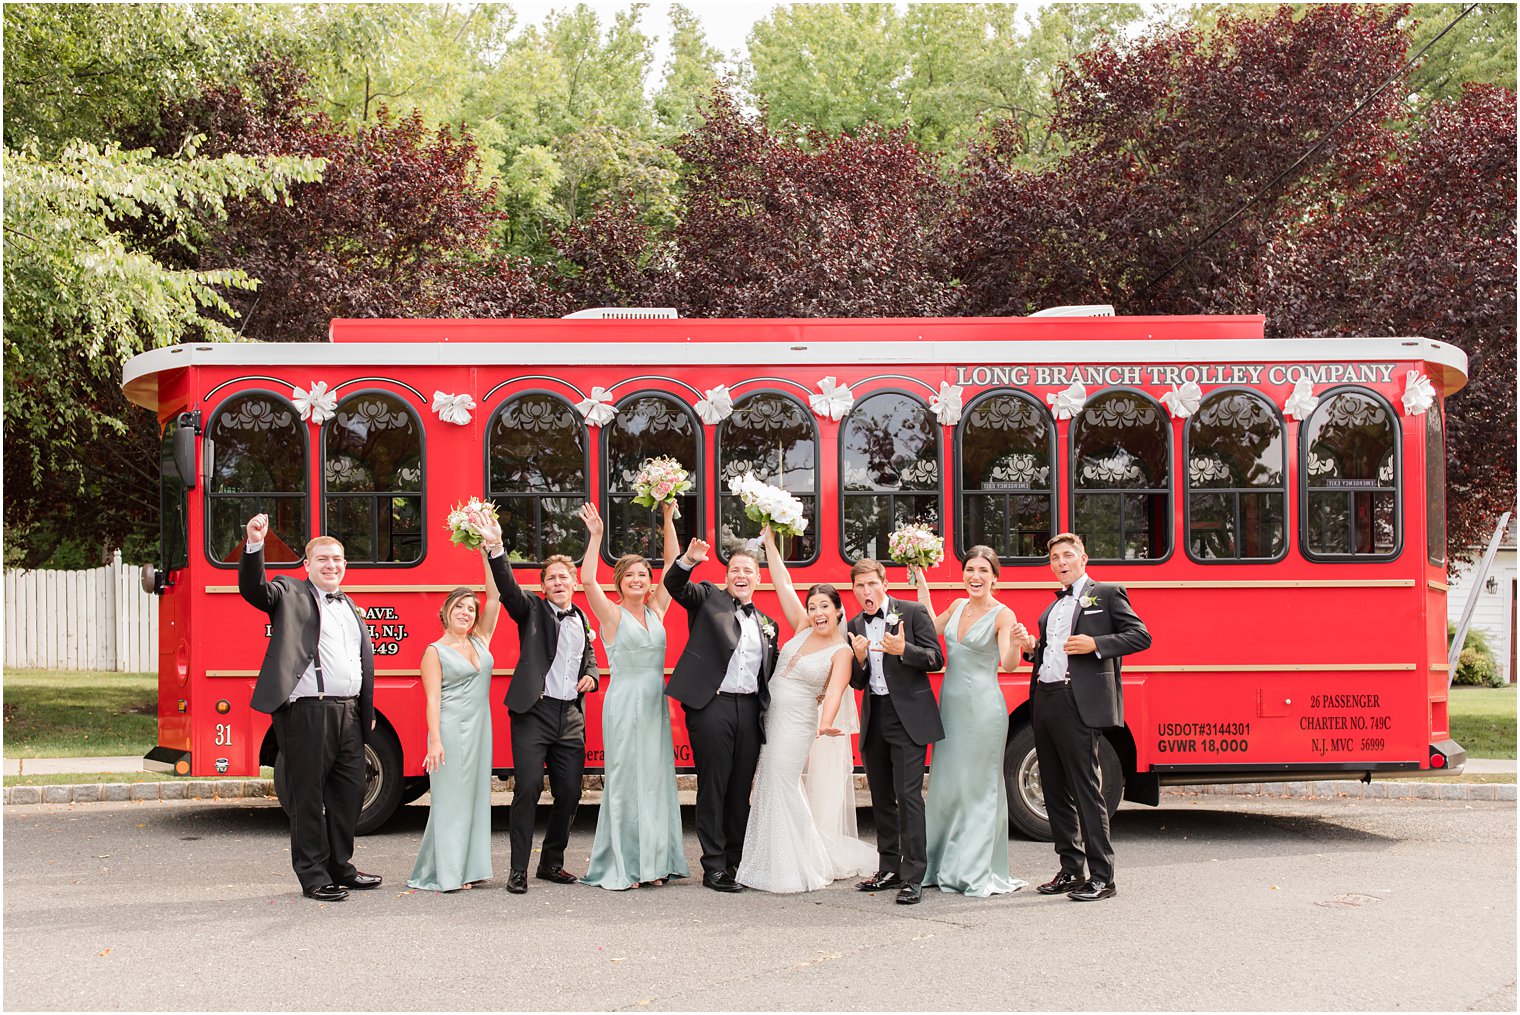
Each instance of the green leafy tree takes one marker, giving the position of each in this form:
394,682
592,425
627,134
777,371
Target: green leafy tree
690,76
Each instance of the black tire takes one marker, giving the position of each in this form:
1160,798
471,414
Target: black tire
1026,801
413,788
382,781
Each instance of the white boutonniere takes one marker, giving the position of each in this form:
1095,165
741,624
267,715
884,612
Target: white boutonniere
894,618
768,628
1088,602
590,634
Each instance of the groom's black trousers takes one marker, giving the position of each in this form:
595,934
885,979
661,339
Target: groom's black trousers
1067,750
551,734
895,773
725,748
323,752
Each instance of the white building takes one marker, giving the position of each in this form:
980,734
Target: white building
1495,612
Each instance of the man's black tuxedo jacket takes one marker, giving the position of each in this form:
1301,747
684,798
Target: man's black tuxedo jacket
295,617
537,622
907,675
1113,625
713,634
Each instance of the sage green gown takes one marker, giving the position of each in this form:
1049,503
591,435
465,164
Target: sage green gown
456,847
966,811
638,827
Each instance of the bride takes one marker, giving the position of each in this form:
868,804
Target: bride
787,847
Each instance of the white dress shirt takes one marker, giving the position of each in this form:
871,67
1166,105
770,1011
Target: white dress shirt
1057,630
337,648
876,629
565,672
743,675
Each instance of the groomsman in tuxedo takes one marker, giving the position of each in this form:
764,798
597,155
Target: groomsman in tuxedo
546,707
317,684
1076,694
720,681
895,648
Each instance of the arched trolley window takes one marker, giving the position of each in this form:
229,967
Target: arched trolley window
1005,449
647,425
1237,496
536,472
372,479
889,451
1350,477
1121,477
258,465
774,437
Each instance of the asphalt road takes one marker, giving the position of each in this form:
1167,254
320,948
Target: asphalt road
1224,903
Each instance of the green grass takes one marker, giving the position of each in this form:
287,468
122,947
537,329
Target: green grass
1483,720
79,714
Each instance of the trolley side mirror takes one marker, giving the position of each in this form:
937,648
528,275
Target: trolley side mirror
189,425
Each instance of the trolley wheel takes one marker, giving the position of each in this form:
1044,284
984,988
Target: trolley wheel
382,781
414,787
1026,796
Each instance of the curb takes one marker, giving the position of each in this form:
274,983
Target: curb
1355,789
234,789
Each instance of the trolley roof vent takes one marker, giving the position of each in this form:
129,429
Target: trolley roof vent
624,314
1084,310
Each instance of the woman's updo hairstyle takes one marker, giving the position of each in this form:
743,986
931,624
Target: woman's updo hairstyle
825,589
988,554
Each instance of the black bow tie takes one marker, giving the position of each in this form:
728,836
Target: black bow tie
748,609
873,616
1070,590
334,597
562,614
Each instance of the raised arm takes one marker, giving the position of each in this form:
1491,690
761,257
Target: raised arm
490,610
833,695
600,605
678,576
786,592
670,549
518,603
926,599
259,592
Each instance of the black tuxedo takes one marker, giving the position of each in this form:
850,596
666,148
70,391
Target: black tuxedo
895,731
546,732
321,739
1068,717
725,730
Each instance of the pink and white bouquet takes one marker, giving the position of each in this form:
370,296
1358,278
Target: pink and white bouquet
916,544
659,480
769,505
465,522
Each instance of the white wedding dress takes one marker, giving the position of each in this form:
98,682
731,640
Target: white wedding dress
785,848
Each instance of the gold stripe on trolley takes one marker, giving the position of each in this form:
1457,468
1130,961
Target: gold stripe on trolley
1437,586
1005,586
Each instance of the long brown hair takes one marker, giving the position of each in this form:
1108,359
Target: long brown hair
624,564
453,598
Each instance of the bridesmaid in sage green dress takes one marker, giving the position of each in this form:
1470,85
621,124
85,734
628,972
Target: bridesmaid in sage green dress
456,681
638,826
966,812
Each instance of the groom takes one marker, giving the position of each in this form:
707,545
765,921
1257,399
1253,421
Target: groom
720,681
895,648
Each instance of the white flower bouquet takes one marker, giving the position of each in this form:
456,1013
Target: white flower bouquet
915,544
769,505
465,521
660,479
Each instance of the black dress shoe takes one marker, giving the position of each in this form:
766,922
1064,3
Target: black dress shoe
361,881
881,881
721,882
558,875
1062,882
1093,891
517,882
909,895
325,893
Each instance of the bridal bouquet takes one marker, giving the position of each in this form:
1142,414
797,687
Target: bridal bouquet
916,544
466,519
769,505
659,480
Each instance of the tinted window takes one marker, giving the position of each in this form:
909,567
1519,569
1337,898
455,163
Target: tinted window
1007,476
1351,480
1237,496
889,451
1121,503
773,437
647,426
372,468
258,466
536,454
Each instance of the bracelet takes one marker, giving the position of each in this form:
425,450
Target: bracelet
493,547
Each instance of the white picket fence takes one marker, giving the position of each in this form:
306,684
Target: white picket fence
99,619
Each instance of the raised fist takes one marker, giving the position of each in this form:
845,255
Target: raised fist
258,528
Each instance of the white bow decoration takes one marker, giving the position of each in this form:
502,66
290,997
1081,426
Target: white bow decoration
596,410
947,404
1419,394
1303,401
835,401
716,405
317,404
453,408
1066,404
1182,401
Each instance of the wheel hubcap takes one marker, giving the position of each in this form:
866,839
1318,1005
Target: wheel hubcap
1028,781
372,777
